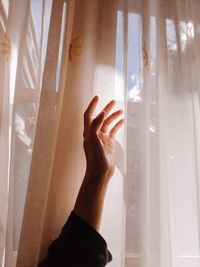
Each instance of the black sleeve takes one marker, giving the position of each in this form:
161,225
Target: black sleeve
79,245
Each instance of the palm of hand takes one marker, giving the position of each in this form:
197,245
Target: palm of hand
99,143
108,145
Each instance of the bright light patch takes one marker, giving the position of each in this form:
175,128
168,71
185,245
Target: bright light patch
2,24
20,129
190,29
13,68
20,124
58,71
5,4
171,36
134,94
152,129
104,78
119,77
119,86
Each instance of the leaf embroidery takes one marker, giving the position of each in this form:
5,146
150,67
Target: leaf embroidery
5,47
145,55
31,120
74,48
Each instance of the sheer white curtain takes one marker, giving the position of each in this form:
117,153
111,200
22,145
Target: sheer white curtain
23,37
145,54
162,182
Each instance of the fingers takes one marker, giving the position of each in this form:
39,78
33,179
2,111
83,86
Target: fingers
109,106
116,128
110,119
100,122
97,122
89,112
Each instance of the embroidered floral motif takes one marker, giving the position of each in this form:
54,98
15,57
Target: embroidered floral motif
31,121
5,47
74,48
145,55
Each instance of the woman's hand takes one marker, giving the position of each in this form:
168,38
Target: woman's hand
99,140
99,146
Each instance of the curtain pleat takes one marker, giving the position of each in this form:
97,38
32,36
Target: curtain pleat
165,249
4,146
9,42
43,152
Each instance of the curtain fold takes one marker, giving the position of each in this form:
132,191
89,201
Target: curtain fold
10,39
47,124
4,134
145,55
162,180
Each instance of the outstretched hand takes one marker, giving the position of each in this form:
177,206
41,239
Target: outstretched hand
99,146
99,139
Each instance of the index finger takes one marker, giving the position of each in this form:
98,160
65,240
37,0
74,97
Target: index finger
89,112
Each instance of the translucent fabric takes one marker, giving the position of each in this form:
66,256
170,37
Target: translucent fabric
56,56
162,182
24,32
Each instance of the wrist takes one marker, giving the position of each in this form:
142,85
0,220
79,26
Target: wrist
98,176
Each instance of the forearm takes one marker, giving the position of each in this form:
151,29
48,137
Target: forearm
90,200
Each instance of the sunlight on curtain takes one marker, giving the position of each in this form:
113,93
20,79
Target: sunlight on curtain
162,183
34,237
4,123
23,51
53,59
31,55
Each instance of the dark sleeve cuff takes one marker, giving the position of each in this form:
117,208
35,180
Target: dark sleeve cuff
78,245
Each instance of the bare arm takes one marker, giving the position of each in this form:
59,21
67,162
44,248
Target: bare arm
78,243
99,147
